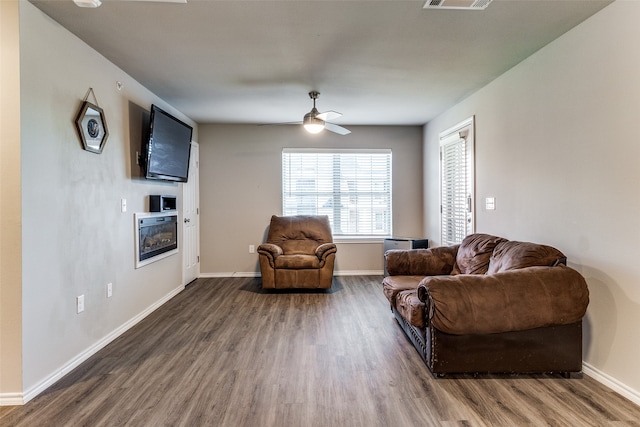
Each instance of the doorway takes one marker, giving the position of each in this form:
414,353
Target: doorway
191,218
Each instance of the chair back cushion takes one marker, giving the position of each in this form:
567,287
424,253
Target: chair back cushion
512,255
299,234
474,253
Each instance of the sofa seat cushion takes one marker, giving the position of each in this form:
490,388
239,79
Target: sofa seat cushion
411,308
474,254
297,261
513,255
392,285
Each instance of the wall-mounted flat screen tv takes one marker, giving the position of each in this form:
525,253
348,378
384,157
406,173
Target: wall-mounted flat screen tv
167,147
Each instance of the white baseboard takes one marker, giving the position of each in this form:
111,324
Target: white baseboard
257,273
230,274
77,360
358,273
612,383
11,399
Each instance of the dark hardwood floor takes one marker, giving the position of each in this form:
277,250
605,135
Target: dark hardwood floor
225,353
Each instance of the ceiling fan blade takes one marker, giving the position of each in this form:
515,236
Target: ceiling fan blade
336,129
328,115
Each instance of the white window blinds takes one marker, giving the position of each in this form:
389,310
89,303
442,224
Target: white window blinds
456,177
352,187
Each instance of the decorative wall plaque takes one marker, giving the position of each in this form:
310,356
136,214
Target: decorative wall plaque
92,126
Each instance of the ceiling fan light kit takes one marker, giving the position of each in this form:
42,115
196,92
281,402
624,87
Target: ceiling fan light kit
313,124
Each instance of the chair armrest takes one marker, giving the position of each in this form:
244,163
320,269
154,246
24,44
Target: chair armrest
270,251
325,249
513,300
421,262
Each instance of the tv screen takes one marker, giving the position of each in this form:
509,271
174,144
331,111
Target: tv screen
168,147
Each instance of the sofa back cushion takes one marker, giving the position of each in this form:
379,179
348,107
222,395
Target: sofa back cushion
421,262
511,255
474,254
299,234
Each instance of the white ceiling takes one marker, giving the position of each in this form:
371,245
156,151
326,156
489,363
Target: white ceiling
377,62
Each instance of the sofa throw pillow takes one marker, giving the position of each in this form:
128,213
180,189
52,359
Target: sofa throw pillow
474,254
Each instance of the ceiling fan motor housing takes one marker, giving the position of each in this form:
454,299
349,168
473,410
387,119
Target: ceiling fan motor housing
311,117
312,123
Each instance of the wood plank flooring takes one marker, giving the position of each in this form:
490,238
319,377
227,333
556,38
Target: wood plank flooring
225,353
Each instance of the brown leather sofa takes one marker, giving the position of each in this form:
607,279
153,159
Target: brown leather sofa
489,305
299,253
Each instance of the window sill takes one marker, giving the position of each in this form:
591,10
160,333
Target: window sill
359,239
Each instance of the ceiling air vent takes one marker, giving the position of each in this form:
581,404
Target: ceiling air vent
457,4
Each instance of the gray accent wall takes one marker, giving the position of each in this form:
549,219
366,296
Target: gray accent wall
556,145
241,187
75,239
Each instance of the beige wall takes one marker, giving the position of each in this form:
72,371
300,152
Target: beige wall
10,222
241,184
75,240
556,146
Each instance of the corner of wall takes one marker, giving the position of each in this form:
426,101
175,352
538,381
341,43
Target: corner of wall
10,208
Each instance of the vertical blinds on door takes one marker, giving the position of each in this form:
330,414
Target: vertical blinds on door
454,192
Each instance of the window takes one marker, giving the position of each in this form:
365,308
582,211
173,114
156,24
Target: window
352,187
457,182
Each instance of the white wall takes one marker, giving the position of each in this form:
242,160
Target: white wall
241,187
556,145
75,240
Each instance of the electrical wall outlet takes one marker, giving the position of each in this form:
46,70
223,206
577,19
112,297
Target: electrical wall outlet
109,290
252,249
79,304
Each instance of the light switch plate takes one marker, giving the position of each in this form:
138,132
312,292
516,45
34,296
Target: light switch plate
490,203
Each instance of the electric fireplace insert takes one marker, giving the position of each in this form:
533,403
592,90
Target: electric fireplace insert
157,237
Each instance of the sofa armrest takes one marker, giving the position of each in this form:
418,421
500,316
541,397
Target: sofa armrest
325,249
421,262
514,300
270,251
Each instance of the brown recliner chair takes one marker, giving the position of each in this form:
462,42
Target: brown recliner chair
299,253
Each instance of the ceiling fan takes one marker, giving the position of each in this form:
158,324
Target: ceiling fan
315,121
96,3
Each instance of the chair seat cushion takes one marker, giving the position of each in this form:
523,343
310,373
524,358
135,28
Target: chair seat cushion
297,261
